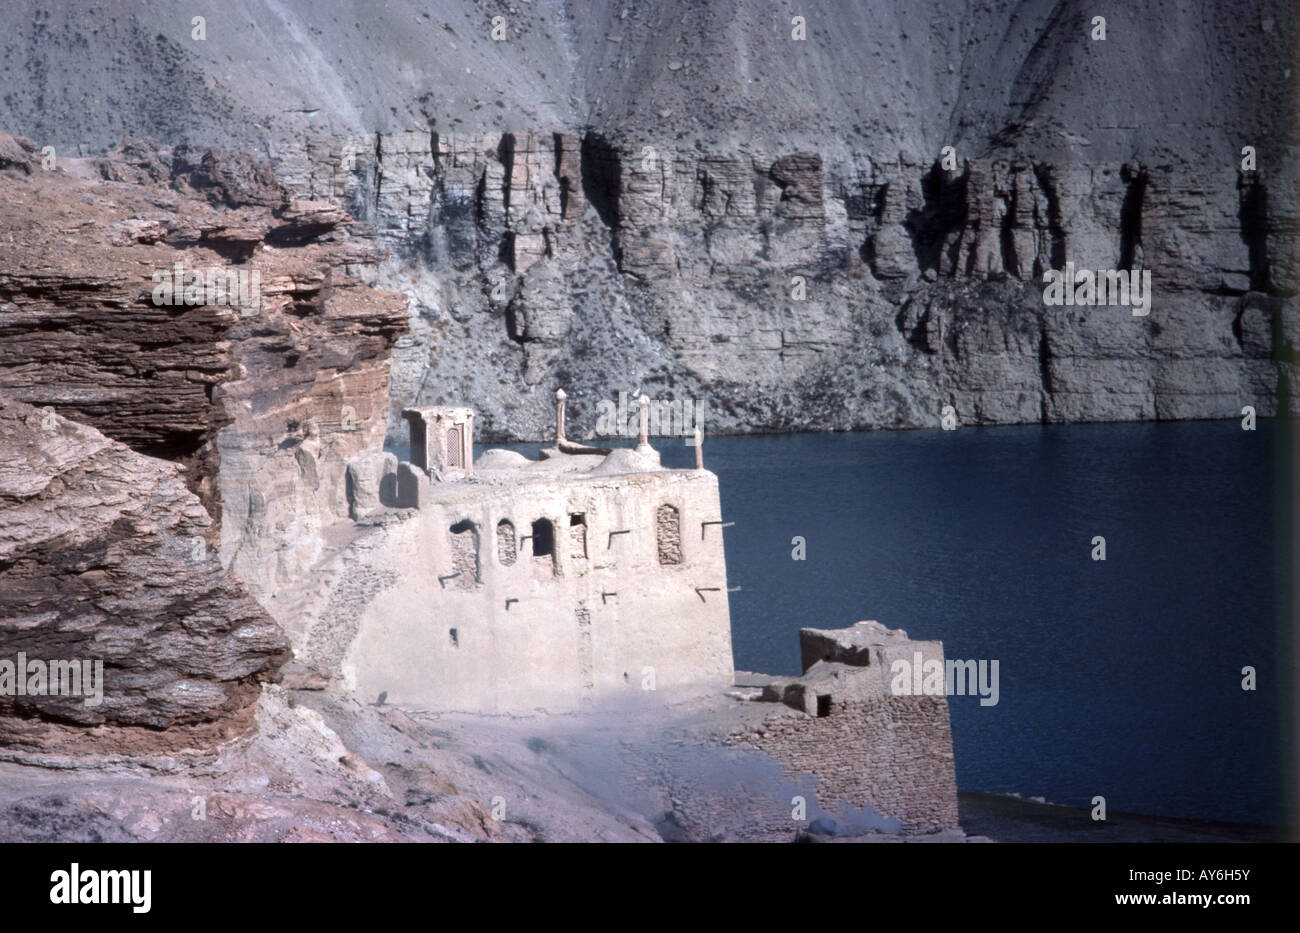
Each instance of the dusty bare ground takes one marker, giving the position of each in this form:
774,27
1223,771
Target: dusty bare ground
325,767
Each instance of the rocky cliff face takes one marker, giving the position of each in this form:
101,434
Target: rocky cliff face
794,294
103,559
172,455
692,201
168,468
260,395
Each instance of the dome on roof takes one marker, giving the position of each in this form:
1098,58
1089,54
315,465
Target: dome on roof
498,459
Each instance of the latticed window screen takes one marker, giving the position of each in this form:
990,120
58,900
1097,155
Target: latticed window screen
455,450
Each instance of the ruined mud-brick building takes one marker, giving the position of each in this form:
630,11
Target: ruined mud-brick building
529,584
842,723
503,584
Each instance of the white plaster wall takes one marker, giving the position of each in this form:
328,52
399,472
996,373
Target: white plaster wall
533,655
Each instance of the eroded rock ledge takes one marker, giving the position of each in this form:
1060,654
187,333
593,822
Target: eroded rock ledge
254,402
797,288
167,465
103,559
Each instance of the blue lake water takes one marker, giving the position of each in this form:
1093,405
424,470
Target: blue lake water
1119,677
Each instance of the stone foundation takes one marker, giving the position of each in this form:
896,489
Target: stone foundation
841,724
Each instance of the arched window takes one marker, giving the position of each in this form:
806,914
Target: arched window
668,527
578,535
543,539
464,553
507,550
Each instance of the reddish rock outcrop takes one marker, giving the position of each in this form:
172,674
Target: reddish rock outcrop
261,397
103,559
171,456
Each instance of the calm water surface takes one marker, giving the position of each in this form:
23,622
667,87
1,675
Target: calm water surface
1119,677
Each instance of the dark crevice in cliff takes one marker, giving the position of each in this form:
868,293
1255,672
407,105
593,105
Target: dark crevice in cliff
179,447
1007,241
480,199
601,169
449,236
943,213
873,213
435,156
294,235
514,330
1046,176
1130,217
869,207
506,156
236,252
866,252
601,176
1252,215
566,194
379,172
506,251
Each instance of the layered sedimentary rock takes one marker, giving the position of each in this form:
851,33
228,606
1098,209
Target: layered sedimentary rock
840,222
104,563
791,291
180,466
190,359
792,294
262,394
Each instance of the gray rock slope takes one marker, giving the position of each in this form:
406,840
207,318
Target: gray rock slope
684,199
